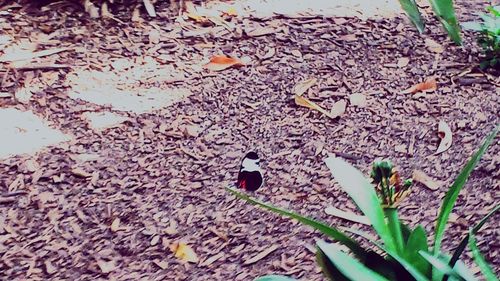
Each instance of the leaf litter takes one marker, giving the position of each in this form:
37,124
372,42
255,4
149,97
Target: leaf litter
145,179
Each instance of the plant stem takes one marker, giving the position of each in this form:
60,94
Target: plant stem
395,227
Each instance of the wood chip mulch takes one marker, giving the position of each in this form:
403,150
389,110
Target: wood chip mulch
162,174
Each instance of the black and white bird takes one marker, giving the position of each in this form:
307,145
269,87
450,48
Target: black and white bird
250,176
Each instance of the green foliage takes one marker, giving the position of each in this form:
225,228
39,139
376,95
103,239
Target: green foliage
488,272
444,11
405,251
489,36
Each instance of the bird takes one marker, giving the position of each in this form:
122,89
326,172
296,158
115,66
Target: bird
250,175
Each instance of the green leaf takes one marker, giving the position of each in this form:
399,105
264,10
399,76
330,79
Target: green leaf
328,268
408,266
473,25
274,278
411,9
323,228
458,272
445,12
452,194
363,194
417,242
350,267
464,242
488,272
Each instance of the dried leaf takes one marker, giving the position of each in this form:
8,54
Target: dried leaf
303,86
444,133
23,95
149,8
91,9
154,36
155,240
423,178
221,62
115,225
433,46
428,85
261,255
299,100
49,268
346,215
28,55
338,108
161,264
358,100
184,252
403,62
106,266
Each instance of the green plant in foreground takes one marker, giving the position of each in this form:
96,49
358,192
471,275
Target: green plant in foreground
489,36
444,11
402,253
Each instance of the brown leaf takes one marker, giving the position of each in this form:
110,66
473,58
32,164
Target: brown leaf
261,255
161,264
444,133
423,178
302,87
184,252
338,108
358,100
433,46
428,85
154,36
149,8
402,62
299,100
106,266
115,225
221,62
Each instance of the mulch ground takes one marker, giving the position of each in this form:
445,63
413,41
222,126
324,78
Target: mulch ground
166,185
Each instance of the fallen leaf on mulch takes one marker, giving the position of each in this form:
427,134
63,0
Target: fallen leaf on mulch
115,225
346,215
423,178
184,252
444,133
28,55
358,100
428,85
299,100
261,255
221,62
106,266
402,62
302,87
433,46
161,264
338,108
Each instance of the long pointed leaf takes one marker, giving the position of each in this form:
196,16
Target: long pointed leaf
452,194
350,267
411,9
323,228
417,242
363,194
459,273
488,272
406,264
464,242
445,12
328,268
